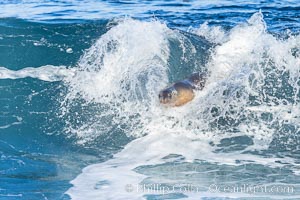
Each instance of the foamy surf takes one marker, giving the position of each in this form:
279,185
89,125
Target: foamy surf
195,135
45,73
118,178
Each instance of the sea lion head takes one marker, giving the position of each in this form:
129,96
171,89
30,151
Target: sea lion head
176,95
168,96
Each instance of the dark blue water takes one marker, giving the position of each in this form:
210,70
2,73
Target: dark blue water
79,83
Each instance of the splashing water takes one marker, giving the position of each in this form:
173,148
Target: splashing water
252,95
122,73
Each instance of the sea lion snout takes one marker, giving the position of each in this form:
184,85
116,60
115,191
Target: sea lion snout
167,96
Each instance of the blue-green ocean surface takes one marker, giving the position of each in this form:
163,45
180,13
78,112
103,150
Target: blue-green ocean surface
79,110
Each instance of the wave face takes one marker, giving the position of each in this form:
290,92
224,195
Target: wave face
246,116
124,77
79,110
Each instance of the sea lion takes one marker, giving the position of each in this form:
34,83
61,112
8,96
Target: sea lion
181,92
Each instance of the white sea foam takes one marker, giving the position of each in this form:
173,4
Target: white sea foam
110,180
18,121
128,65
45,73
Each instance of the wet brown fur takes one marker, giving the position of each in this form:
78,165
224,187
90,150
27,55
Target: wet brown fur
182,92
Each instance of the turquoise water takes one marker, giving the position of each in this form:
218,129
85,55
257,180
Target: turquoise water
79,111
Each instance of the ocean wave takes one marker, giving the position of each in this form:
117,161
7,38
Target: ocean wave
252,94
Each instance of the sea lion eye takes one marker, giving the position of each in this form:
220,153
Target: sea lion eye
174,92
